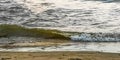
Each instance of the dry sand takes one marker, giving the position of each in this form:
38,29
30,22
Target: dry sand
58,56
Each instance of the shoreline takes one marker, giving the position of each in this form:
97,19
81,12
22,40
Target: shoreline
44,43
68,46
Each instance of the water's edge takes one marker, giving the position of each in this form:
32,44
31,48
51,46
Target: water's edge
87,46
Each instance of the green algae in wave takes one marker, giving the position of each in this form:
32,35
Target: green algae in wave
19,31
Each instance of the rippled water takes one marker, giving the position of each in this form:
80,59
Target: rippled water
76,15
66,15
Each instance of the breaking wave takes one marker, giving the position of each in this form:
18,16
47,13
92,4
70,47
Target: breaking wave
96,37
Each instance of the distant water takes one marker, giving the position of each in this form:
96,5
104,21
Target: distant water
66,15
75,15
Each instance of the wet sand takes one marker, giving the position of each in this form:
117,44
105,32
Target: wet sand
58,56
111,47
44,43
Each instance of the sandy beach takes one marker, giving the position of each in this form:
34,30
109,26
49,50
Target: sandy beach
58,56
